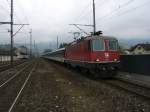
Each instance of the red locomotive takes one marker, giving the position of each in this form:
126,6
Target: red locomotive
98,54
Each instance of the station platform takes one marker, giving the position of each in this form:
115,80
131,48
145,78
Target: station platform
136,78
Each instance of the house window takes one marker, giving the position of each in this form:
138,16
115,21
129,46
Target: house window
139,47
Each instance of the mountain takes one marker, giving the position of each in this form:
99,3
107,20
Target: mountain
132,42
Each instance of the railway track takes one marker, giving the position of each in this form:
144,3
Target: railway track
6,74
12,88
133,88
136,88
6,66
6,79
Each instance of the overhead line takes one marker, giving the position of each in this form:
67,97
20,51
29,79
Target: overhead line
101,3
15,13
115,10
11,27
127,3
18,30
107,15
133,9
129,10
83,11
8,3
23,12
9,12
79,28
82,25
4,9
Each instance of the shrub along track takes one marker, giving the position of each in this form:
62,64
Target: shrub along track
53,88
10,88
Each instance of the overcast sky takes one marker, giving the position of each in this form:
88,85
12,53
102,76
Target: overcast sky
50,18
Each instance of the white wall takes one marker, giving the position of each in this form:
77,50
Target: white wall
6,58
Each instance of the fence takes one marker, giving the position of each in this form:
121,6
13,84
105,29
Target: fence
139,64
6,58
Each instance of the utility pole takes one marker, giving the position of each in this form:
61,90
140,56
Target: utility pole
94,21
11,33
57,42
30,43
37,51
34,44
34,48
26,47
50,45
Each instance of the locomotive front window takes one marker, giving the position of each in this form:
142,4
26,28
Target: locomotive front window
113,45
98,45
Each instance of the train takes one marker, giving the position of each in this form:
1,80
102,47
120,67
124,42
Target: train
96,54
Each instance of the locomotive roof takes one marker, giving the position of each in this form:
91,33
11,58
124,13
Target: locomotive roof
92,38
97,37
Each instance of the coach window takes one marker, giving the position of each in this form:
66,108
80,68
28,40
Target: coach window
98,45
89,45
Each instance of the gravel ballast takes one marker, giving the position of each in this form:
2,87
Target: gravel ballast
54,88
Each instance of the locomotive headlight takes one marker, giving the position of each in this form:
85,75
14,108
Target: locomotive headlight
97,60
107,55
115,59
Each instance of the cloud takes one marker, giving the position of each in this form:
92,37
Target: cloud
50,18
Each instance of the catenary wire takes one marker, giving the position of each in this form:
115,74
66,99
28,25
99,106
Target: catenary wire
115,10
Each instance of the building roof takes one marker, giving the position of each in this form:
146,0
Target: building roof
145,46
